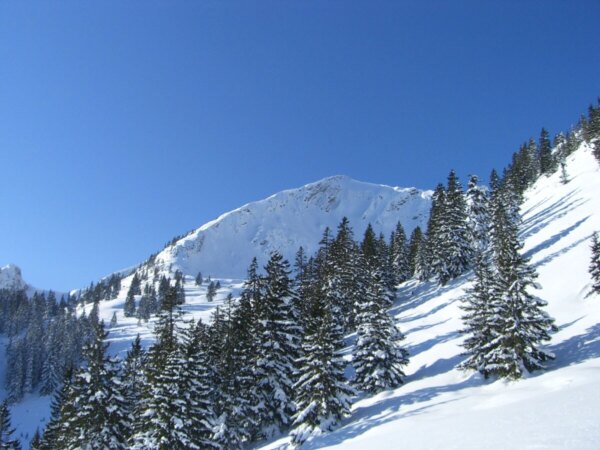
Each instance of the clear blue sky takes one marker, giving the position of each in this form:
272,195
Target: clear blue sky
124,123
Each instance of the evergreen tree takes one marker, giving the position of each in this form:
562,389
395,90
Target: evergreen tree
164,421
564,176
100,419
322,392
61,413
450,250
479,316
595,264
133,381
136,285
6,431
545,150
414,251
342,281
399,253
513,318
211,291
478,216
199,279
432,249
196,388
277,346
36,440
377,357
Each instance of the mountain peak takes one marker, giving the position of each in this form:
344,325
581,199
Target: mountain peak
292,218
11,277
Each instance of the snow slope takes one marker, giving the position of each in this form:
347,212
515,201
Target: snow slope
290,219
441,407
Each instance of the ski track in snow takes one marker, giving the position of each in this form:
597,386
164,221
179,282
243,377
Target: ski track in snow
440,406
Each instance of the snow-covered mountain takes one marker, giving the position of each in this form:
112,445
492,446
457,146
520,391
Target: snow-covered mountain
438,406
289,219
11,278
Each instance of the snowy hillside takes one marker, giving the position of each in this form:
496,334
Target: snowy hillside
442,407
290,219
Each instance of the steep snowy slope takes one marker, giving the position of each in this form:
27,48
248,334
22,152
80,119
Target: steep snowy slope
290,219
441,407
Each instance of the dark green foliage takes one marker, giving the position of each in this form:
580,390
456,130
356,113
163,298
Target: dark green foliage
506,323
415,247
377,357
399,254
277,346
6,431
595,264
211,291
321,391
547,162
98,419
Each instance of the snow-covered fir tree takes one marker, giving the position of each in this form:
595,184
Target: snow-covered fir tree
377,358
513,317
99,418
343,284
452,253
322,393
277,346
479,317
594,268
399,254
163,421
478,216
7,441
197,390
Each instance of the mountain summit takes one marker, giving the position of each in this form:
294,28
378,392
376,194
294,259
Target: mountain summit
11,278
292,218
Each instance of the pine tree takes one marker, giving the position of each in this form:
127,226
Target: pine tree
547,164
595,264
6,431
514,319
199,280
431,252
36,440
478,216
322,392
133,380
399,253
377,357
196,388
211,291
479,316
343,284
451,251
277,346
164,422
414,251
564,176
61,413
100,420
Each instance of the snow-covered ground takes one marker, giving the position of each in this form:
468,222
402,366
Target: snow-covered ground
439,406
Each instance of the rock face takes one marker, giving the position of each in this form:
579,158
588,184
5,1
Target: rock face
289,219
11,278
